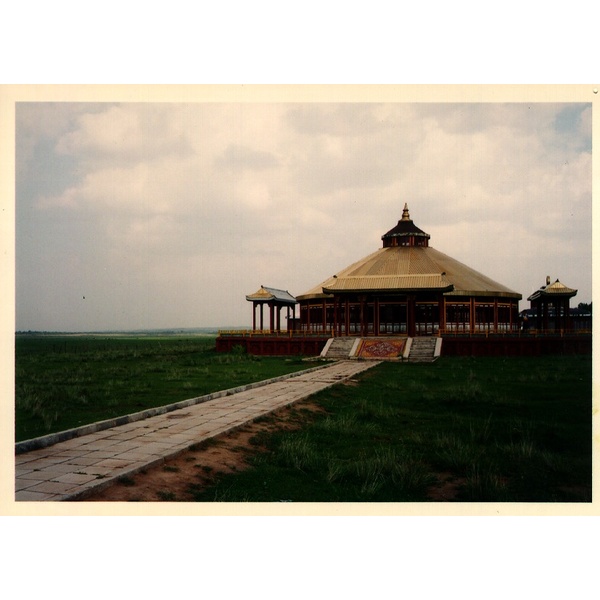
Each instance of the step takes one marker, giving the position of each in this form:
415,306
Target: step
424,350
340,348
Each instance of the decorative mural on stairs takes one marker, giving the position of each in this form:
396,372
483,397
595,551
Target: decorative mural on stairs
378,348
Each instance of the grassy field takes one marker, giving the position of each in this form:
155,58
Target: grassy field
67,381
490,429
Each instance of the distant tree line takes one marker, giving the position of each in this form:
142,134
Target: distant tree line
585,306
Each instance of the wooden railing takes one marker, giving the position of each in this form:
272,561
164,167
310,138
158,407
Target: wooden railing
440,332
516,333
272,333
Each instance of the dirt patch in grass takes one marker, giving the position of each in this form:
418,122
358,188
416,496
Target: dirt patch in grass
446,488
177,479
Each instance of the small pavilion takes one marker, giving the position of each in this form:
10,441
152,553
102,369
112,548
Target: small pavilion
276,300
551,306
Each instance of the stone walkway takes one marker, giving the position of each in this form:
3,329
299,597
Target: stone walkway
68,470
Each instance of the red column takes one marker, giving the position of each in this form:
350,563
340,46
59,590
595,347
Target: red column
335,316
495,315
410,316
472,315
347,316
363,331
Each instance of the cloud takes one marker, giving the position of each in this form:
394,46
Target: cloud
132,132
354,146
238,157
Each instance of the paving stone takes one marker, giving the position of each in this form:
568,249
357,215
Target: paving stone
99,472
23,459
117,437
40,464
23,484
124,445
44,474
102,444
32,496
52,487
112,463
85,461
77,478
98,455
60,468
135,456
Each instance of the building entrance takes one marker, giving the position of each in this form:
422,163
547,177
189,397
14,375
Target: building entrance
392,318
427,318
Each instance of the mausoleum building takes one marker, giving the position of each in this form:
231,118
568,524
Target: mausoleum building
407,288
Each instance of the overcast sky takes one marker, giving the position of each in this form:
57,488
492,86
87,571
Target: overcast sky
161,215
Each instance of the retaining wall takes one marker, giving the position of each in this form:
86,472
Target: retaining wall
516,346
273,345
451,346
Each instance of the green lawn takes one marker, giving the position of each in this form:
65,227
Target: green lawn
68,381
497,429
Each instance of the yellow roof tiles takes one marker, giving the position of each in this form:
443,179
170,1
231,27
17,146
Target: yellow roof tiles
410,269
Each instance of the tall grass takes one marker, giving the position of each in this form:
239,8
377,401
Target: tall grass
484,484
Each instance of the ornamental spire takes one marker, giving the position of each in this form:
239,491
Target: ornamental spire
406,233
405,213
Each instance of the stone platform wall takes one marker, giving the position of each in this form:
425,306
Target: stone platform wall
515,346
451,346
273,345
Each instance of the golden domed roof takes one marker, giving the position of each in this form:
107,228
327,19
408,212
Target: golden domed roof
408,268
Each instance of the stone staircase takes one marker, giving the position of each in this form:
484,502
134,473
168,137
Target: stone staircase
423,349
339,348
420,349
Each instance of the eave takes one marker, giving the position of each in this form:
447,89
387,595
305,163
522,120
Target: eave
389,284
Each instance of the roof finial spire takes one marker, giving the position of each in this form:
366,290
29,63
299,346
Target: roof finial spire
405,213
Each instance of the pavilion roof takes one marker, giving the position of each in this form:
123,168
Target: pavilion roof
404,269
353,283
269,294
555,289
